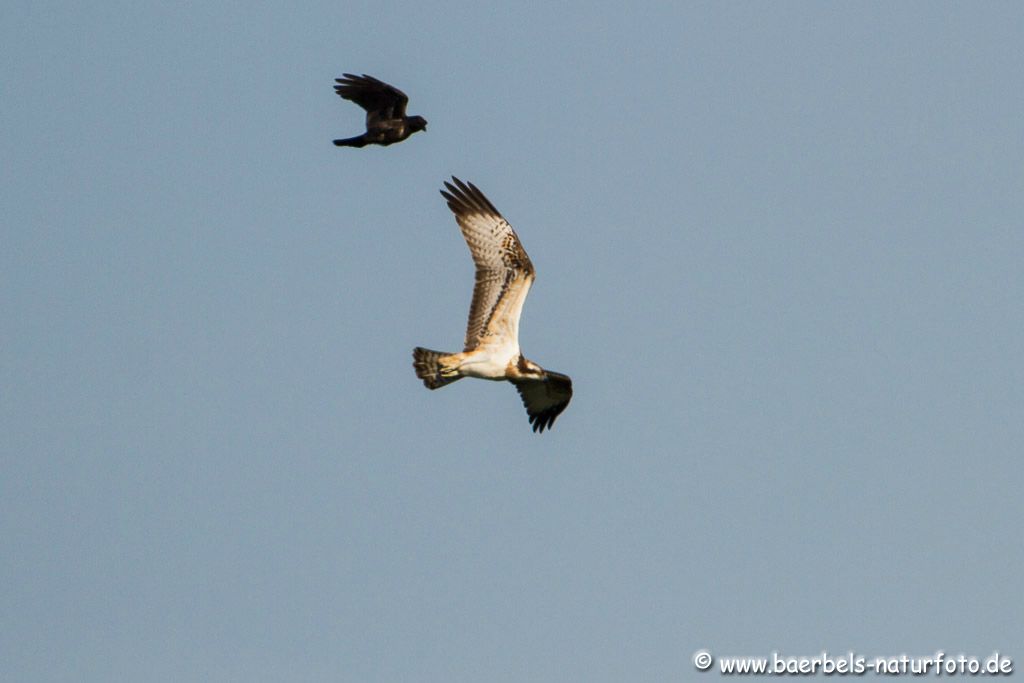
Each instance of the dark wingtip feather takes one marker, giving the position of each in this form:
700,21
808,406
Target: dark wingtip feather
466,197
542,421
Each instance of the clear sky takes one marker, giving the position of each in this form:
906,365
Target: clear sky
779,250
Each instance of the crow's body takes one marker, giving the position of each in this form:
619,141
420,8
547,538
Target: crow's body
386,122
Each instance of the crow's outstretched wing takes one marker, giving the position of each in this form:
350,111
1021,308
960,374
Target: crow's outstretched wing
380,100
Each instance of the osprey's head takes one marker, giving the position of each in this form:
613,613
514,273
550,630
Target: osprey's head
417,123
528,368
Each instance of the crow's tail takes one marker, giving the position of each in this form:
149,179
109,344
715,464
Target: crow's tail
358,141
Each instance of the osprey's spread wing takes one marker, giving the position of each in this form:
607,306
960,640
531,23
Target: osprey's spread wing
381,101
545,398
504,272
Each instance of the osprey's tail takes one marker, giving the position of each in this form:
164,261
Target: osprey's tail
428,366
357,141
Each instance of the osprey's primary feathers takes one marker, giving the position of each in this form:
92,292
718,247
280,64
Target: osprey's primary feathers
386,122
504,274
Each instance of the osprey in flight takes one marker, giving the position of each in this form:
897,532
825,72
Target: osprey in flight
503,278
386,122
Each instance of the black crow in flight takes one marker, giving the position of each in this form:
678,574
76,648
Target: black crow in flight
386,122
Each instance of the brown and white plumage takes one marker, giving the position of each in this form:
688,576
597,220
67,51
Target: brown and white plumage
504,274
502,266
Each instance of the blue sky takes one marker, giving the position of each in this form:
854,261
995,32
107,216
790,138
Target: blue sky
779,252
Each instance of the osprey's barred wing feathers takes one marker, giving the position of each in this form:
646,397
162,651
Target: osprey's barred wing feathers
501,262
380,100
545,399
504,274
